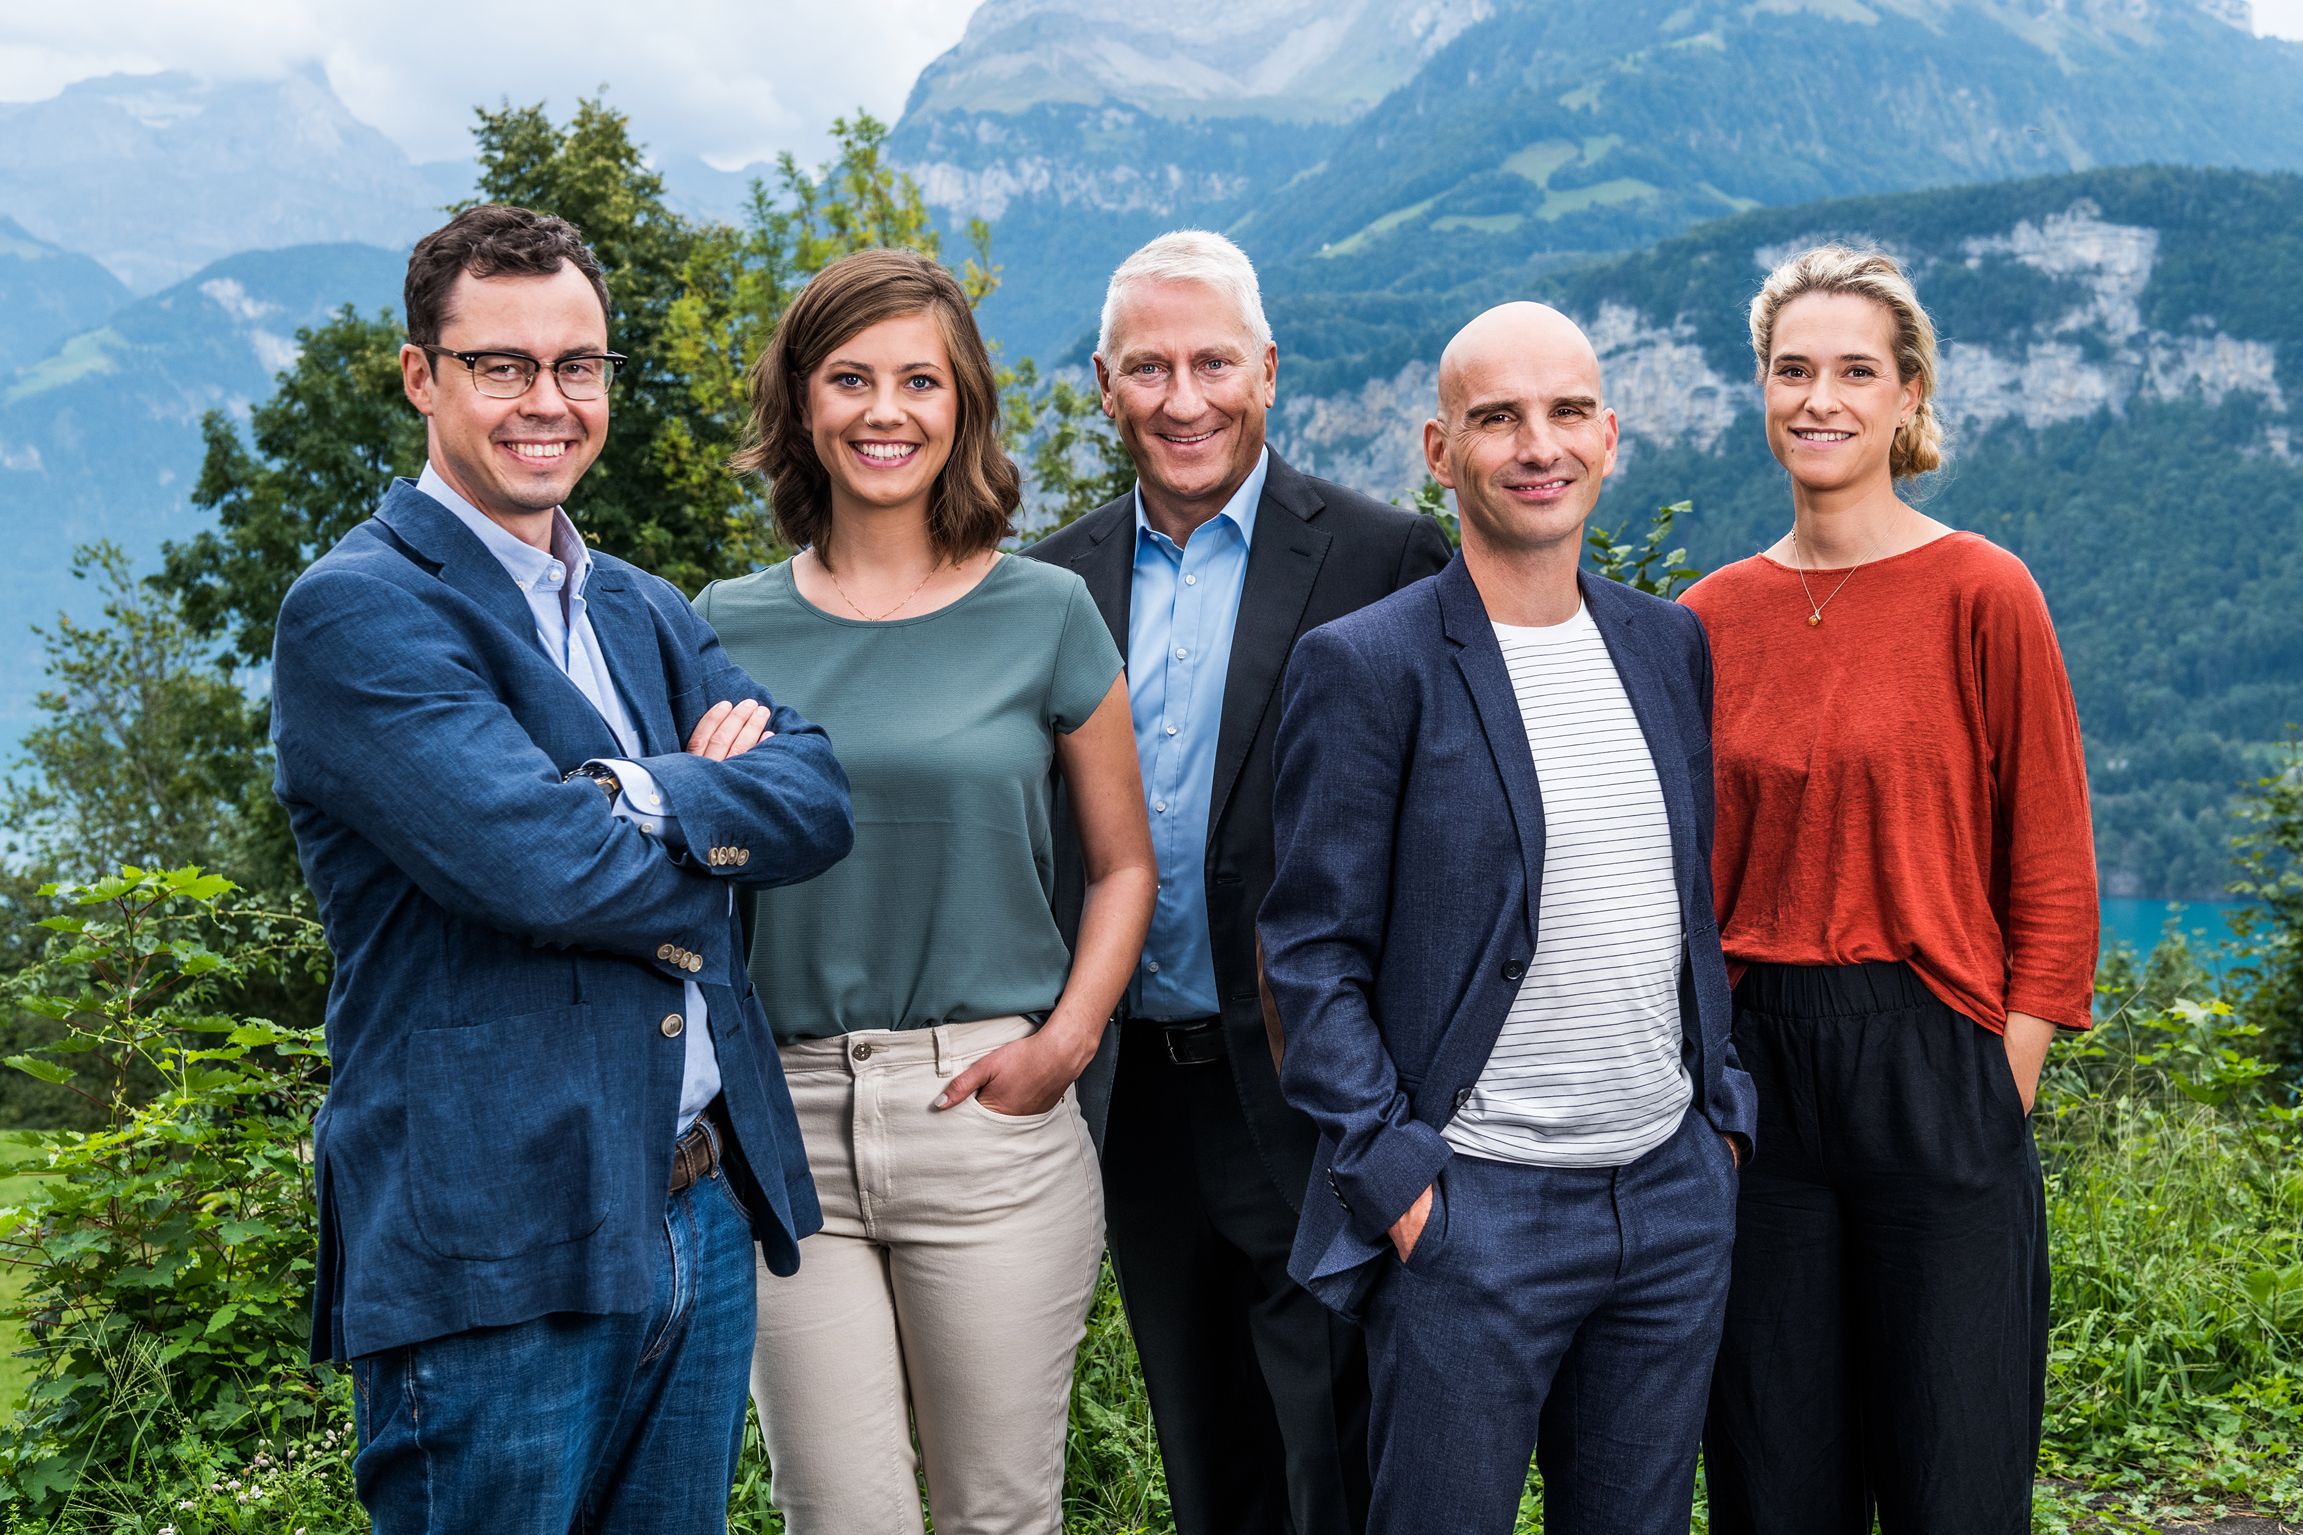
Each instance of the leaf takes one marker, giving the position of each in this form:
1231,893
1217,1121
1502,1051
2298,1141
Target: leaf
46,1071
2197,1092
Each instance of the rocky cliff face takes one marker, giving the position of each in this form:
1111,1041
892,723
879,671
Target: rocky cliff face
2087,349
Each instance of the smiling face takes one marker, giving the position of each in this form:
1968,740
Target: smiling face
1833,399
1521,437
1188,387
512,459
883,412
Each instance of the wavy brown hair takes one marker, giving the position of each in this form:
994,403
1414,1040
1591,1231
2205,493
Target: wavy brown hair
972,506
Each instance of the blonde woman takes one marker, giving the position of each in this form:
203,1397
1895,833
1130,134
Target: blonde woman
929,1017
1905,883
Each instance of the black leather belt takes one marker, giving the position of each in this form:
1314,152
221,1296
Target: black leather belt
1193,1041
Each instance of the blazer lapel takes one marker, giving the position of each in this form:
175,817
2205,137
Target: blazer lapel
431,532
1464,620
1627,638
1107,565
1283,563
627,636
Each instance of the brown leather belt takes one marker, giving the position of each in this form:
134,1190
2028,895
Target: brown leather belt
696,1154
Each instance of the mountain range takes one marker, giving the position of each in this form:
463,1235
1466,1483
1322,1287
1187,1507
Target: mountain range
1530,135
2123,346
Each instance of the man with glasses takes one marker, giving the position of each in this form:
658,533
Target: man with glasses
524,781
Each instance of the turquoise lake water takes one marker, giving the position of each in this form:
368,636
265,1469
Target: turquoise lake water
2138,922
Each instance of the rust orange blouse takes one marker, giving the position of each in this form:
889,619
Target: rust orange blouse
1904,780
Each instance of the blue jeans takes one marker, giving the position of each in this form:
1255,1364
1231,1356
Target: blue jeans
1570,1311
627,1423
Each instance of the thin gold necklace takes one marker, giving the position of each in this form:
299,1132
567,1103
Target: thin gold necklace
1815,609
899,607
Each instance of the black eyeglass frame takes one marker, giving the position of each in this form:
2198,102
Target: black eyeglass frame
536,367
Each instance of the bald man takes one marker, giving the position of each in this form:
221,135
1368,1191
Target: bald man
1492,945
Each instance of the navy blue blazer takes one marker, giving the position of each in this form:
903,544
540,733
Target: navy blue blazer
1410,829
497,1138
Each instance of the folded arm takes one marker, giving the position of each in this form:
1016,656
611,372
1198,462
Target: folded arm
756,795
382,714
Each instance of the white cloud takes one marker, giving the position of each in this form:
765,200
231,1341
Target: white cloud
2279,18
727,80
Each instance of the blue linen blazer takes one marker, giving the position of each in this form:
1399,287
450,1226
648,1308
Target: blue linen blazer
1405,909
497,1138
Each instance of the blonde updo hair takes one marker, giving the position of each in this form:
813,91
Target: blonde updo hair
1918,446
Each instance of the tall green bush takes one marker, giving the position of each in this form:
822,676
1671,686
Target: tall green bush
167,1254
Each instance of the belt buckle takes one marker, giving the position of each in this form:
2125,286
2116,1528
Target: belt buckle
1172,1037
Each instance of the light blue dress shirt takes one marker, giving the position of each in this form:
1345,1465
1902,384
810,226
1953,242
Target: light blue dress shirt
1182,607
554,586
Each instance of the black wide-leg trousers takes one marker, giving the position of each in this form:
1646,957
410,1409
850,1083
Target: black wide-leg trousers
1886,1337
1258,1391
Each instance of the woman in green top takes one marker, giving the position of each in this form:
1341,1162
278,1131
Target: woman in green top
928,1013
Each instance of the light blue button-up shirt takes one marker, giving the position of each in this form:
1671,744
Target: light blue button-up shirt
1182,608
554,586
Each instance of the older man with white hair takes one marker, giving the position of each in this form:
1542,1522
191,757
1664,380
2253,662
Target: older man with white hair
1206,574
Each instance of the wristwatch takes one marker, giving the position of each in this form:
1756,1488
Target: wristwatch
599,773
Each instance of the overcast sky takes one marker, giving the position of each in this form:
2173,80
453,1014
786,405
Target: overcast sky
731,80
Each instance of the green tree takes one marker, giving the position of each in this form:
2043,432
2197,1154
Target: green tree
166,1259
734,288
693,304
149,754
1078,461
2268,852
327,444
643,499
143,755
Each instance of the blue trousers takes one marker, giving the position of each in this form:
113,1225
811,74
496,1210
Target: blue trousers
627,1424
1571,1312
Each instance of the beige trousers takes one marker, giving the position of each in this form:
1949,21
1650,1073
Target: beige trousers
946,1295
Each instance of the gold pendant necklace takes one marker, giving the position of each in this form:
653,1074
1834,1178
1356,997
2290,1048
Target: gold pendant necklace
899,607
1815,609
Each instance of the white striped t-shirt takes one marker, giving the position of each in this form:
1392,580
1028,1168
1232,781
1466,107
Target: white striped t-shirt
1587,1071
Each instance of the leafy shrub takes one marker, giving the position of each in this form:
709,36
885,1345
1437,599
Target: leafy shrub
2175,1202
168,1254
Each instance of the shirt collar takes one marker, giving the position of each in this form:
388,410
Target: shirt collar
1241,508
529,567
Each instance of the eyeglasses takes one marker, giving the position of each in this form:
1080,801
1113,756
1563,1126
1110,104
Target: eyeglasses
508,375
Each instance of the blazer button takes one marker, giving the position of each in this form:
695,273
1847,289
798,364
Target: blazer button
1513,969
743,856
666,952
671,1026
695,963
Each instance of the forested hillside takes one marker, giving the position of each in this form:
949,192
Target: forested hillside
1340,143
2122,352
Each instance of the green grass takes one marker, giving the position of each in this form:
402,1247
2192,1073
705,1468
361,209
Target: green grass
2176,1380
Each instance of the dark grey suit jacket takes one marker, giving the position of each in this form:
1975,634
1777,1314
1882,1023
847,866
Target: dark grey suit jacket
1319,551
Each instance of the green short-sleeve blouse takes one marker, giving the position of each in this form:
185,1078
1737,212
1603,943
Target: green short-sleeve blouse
946,724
